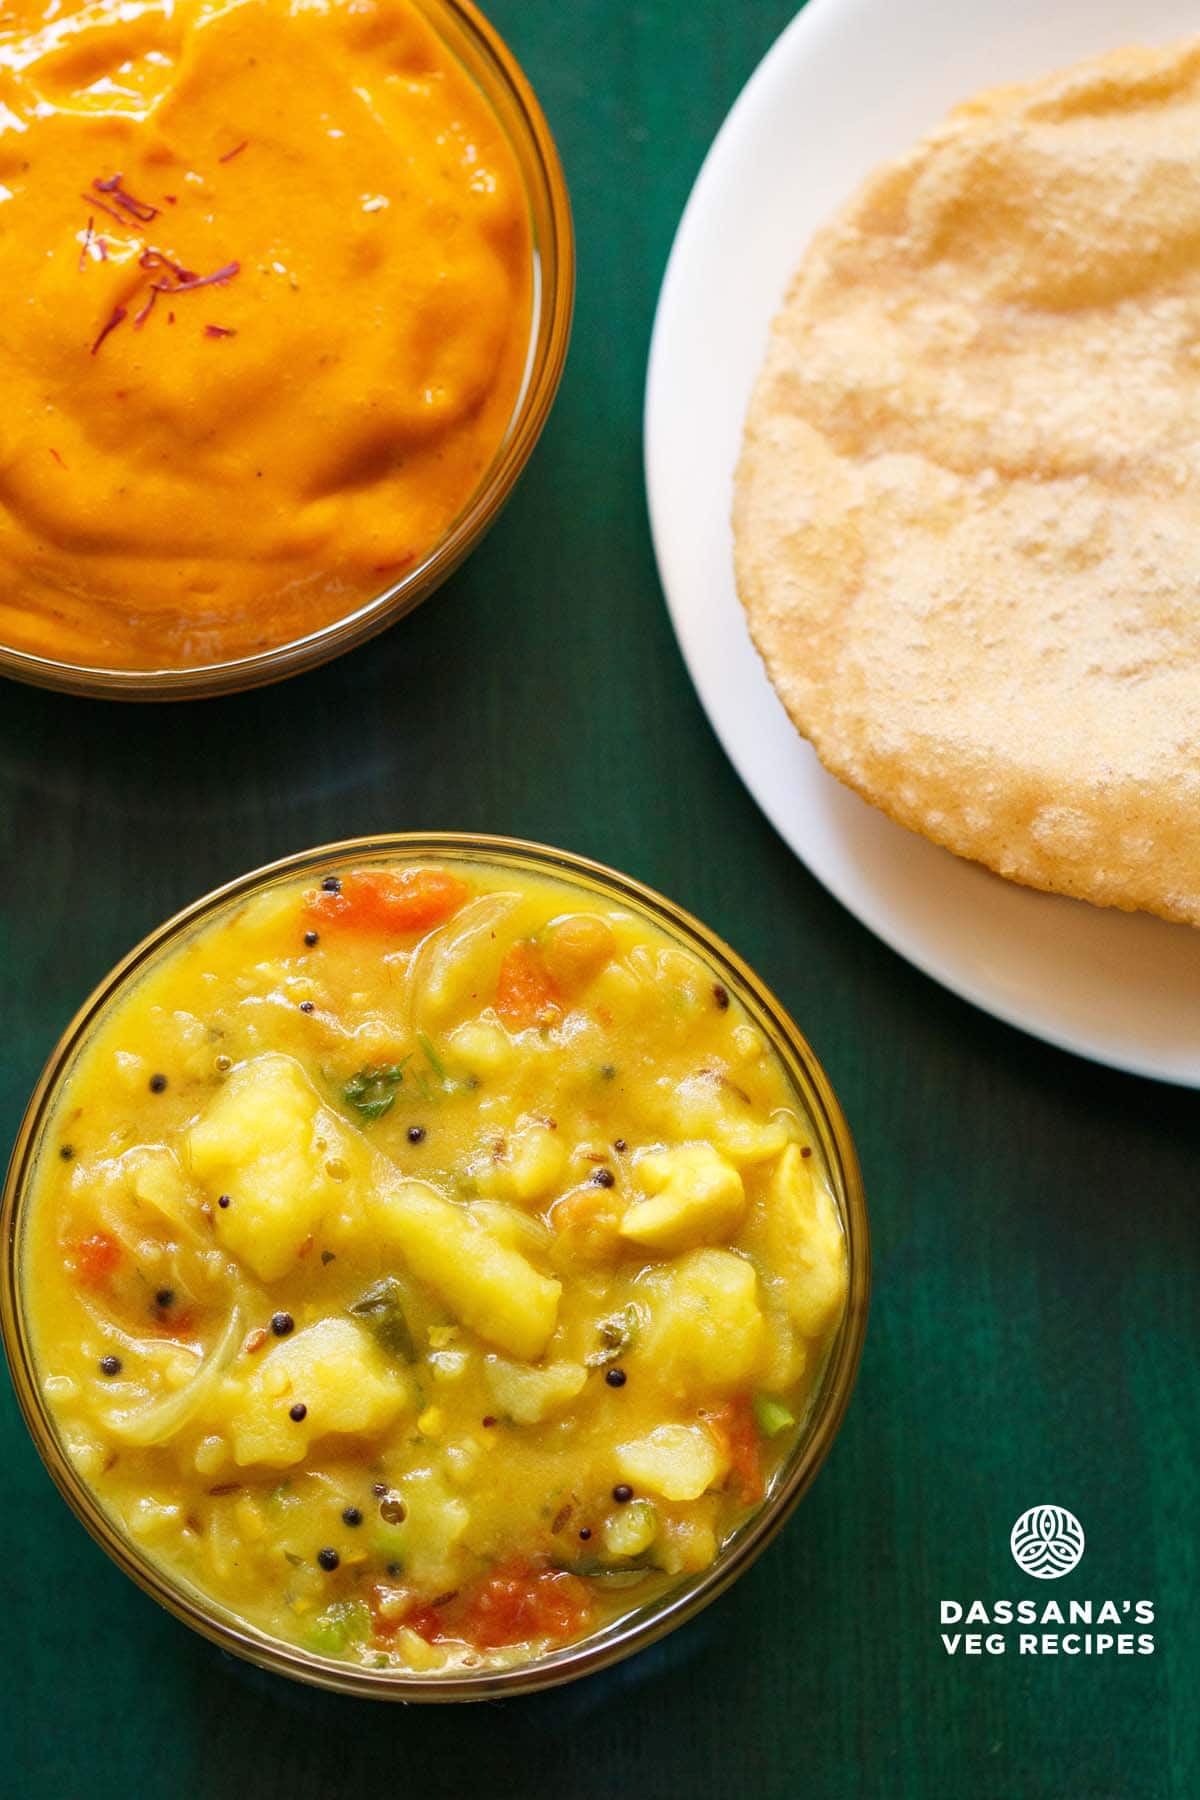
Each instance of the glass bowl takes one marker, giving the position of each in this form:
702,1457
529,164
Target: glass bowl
665,1611
481,51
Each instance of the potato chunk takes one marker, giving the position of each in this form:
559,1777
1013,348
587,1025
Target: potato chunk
706,1332
695,1197
529,1395
334,1369
805,1244
705,1107
680,1462
531,1166
786,1354
485,1283
265,1141
426,1543
631,1529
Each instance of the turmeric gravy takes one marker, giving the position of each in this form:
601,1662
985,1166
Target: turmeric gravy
429,1266
268,289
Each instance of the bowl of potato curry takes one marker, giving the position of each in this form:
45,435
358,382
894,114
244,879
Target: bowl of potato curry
435,1266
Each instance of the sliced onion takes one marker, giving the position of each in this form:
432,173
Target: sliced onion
133,1218
180,1212
449,942
520,1230
164,1419
112,1333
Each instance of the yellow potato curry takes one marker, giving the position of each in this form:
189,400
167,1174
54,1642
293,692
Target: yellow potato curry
428,1264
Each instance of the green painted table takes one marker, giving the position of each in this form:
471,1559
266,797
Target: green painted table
1034,1218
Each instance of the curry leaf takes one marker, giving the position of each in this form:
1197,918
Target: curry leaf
372,1091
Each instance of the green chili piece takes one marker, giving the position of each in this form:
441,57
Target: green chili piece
344,1623
771,1416
381,1310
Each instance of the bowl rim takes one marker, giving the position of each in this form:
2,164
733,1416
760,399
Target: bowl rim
633,1631
549,337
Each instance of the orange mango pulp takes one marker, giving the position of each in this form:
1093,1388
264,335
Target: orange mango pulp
260,455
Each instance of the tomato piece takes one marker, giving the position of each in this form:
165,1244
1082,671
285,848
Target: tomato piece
577,1211
426,1621
526,994
396,1607
95,1259
514,1604
179,1327
737,1432
585,1222
517,1603
394,900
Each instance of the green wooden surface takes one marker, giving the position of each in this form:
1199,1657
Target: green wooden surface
1034,1218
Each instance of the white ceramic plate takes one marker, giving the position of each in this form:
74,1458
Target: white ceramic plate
848,83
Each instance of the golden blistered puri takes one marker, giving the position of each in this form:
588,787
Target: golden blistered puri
967,512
